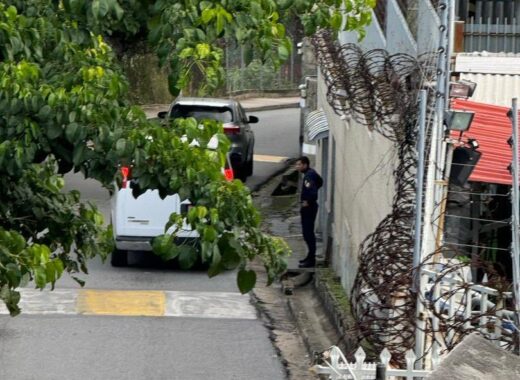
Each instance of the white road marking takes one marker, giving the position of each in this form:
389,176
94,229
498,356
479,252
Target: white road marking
209,305
34,301
267,158
192,304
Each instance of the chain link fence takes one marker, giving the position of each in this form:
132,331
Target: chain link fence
245,72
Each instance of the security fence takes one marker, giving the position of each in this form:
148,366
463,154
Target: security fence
246,72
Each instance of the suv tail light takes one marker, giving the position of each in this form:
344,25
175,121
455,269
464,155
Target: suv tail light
231,129
228,173
125,173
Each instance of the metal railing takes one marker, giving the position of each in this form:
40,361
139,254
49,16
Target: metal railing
456,306
484,34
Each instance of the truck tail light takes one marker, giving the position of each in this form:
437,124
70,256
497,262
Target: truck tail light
125,173
228,173
185,208
231,129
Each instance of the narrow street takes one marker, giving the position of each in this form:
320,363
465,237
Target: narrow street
148,320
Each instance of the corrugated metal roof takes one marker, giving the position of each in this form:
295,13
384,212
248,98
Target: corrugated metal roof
494,89
491,128
489,64
316,125
484,53
497,76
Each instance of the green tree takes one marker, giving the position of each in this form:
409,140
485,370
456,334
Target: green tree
63,107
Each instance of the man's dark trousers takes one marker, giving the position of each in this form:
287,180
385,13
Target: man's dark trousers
308,216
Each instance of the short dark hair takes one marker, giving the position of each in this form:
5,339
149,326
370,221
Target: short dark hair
304,160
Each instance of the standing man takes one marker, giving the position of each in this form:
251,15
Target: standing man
309,208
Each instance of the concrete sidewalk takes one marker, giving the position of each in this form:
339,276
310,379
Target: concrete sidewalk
300,325
250,105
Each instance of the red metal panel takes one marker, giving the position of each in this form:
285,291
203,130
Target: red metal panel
491,128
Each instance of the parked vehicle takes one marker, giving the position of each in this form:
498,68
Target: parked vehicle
236,126
136,221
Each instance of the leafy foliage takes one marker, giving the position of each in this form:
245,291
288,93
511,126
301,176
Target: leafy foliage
189,36
63,102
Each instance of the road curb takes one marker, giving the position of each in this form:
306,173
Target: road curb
301,321
286,165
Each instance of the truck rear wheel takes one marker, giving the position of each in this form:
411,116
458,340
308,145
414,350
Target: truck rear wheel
119,258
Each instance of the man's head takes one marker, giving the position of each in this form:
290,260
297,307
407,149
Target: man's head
302,164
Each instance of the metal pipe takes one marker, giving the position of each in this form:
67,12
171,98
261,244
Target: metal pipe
419,181
434,174
515,246
417,283
435,170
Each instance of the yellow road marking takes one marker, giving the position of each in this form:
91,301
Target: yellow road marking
266,158
122,302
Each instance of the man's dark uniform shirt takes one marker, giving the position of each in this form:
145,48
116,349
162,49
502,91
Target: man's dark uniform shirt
310,186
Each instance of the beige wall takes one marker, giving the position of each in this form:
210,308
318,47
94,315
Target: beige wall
363,186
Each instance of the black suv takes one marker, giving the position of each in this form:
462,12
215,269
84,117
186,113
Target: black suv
236,126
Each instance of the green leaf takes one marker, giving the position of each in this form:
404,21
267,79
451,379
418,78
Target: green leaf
215,270
246,280
40,278
78,155
336,20
203,50
210,234
202,211
119,12
121,147
45,112
283,52
207,15
73,132
171,252
54,131
187,256
103,8
173,86
11,12
231,259
220,23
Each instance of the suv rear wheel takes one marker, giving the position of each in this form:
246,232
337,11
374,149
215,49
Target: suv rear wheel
249,167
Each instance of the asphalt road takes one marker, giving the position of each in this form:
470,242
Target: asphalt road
148,320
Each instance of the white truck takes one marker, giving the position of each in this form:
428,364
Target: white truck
136,221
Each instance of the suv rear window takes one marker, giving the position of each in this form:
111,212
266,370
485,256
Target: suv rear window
222,114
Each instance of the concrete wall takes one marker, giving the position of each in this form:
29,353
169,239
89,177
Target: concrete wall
361,163
398,37
427,27
362,186
374,39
